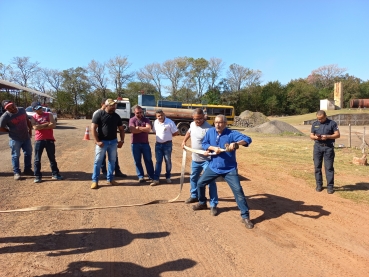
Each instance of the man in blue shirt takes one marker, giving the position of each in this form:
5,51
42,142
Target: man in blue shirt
224,164
324,132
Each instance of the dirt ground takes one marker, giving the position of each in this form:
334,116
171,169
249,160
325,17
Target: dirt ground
298,232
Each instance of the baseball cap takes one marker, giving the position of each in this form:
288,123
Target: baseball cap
37,107
110,102
5,103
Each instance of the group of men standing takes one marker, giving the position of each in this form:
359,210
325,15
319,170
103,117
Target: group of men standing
217,145
16,123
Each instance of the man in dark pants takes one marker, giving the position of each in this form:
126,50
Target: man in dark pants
324,131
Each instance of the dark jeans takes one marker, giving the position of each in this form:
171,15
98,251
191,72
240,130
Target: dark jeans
103,165
327,154
49,145
232,180
139,151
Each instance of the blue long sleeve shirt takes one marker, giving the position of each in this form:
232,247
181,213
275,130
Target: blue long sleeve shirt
226,161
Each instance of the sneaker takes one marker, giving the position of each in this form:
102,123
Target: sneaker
318,188
141,180
17,176
330,190
113,183
169,181
94,185
120,174
37,180
154,183
248,223
199,206
191,200
213,211
57,177
28,172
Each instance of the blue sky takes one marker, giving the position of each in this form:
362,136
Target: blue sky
285,39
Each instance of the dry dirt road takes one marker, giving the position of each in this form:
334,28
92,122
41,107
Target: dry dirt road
298,232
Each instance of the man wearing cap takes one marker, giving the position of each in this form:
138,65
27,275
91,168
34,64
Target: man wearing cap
104,129
165,129
43,123
118,172
15,122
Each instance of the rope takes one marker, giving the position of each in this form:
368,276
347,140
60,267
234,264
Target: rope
70,208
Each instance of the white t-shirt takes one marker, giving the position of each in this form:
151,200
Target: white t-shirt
197,135
164,130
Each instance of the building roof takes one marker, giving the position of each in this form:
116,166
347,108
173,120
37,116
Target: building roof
8,85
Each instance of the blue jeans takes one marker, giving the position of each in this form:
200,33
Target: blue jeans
234,183
103,165
15,147
163,150
196,169
143,150
326,153
110,146
49,145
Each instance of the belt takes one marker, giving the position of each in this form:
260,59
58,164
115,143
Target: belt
325,144
164,142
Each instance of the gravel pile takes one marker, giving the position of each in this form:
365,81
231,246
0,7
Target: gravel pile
250,119
275,127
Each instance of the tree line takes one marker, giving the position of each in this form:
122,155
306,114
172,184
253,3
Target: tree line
78,91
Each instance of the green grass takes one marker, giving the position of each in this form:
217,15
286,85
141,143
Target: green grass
299,119
292,155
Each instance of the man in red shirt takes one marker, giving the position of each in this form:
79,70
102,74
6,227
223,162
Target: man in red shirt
43,123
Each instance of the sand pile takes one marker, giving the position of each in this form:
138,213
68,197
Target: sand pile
250,119
275,127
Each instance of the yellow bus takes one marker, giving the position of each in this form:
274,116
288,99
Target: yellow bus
214,110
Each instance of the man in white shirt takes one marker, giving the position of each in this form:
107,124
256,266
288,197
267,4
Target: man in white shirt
165,129
197,131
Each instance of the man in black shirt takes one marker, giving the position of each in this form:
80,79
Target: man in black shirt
324,131
106,122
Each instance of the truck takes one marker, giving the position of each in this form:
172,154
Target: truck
181,117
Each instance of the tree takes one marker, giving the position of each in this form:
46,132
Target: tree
240,77
324,76
198,74
152,74
76,84
215,67
302,97
97,78
175,71
24,70
118,67
5,71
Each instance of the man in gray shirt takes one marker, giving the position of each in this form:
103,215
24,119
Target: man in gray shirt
197,131
15,122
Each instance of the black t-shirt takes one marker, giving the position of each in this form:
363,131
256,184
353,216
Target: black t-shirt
107,124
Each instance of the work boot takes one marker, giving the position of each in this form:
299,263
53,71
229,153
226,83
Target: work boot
154,183
330,190
191,200
120,174
199,206
94,185
248,223
213,211
17,176
28,172
113,183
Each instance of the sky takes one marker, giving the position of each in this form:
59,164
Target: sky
284,39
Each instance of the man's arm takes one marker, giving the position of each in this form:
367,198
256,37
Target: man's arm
122,134
185,139
95,135
4,130
335,135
